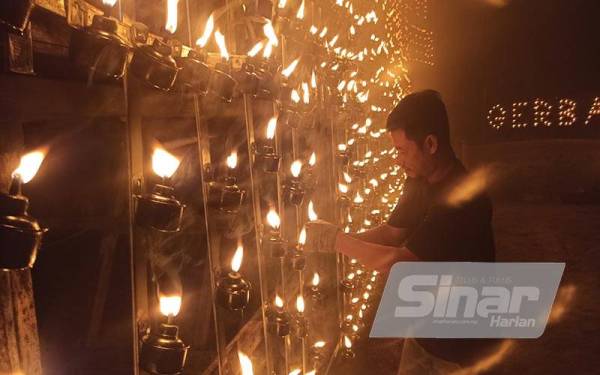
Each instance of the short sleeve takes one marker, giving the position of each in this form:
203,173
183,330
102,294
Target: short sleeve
409,209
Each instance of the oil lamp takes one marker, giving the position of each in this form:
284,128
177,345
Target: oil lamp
233,291
247,76
154,63
347,352
310,180
285,92
159,209
221,83
99,48
164,353
293,189
14,14
343,199
314,291
245,364
299,322
296,253
348,283
317,353
195,73
272,242
343,155
278,320
20,234
231,196
350,327
266,157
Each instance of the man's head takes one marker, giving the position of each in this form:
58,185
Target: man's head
418,126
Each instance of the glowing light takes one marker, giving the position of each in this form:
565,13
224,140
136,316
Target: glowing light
171,25
236,261
278,301
313,159
256,49
323,32
245,364
295,96
334,40
343,188
110,3
232,160
208,29
312,215
319,344
358,199
268,50
305,93
342,147
296,168
271,127
295,371
273,219
163,163
220,39
287,72
300,13
170,305
281,4
347,178
313,80
316,279
302,236
347,342
29,165
300,304
270,33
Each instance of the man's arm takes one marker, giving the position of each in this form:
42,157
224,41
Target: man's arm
372,255
383,234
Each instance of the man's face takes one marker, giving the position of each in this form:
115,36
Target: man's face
412,158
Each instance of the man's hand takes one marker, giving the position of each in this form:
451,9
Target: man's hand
320,236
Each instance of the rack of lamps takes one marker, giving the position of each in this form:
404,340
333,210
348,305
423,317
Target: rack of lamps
347,81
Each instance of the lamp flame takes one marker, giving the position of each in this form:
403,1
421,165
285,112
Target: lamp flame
300,13
254,50
358,198
163,163
290,68
281,4
319,344
347,342
343,188
273,219
270,33
302,236
305,93
232,160
29,165
313,159
312,215
295,371
268,50
342,147
171,25
347,178
110,3
313,80
170,305
278,301
236,261
245,364
208,29
316,279
300,304
296,168
295,96
271,127
220,38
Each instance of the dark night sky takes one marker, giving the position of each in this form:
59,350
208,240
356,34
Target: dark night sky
485,55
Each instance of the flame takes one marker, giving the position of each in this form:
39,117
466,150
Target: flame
342,147
347,178
290,68
236,261
110,3
29,165
343,188
316,279
305,93
254,50
273,219
232,160
313,80
296,168
170,305
300,13
319,344
278,301
245,364
271,127
358,198
334,40
323,32
281,4
295,96
171,24
268,50
220,38
300,304
208,29
295,371
313,159
302,236
312,215
347,342
270,33
163,163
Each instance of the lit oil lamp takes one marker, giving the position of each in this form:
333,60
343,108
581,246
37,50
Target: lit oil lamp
266,157
293,188
231,196
296,253
348,284
247,76
317,353
299,322
343,154
233,291
159,209
245,364
285,93
99,48
164,353
310,180
278,320
20,234
343,199
347,352
221,82
314,290
195,73
272,242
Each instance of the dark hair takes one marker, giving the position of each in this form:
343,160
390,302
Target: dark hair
420,114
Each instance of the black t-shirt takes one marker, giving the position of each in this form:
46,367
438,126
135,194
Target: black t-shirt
446,224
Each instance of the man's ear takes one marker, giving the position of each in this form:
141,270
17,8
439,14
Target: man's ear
431,144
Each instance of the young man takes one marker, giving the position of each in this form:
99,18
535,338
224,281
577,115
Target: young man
443,215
